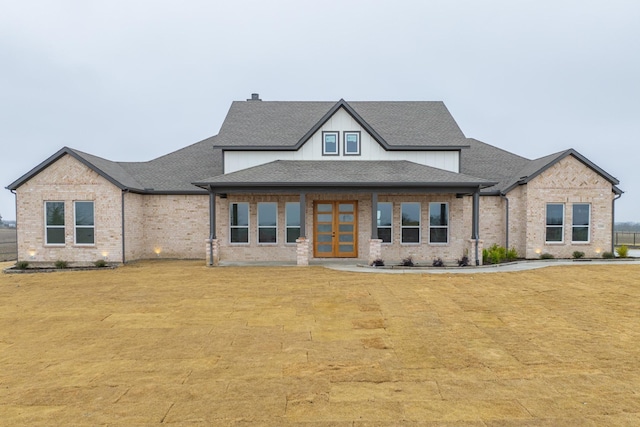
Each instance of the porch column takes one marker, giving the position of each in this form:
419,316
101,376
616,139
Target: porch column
302,243
303,205
374,215
475,233
213,254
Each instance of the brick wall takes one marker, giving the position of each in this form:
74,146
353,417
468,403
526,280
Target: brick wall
68,180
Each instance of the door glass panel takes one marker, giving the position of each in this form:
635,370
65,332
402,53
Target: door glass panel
324,248
325,207
346,248
323,238
345,227
324,228
346,207
346,218
346,238
325,217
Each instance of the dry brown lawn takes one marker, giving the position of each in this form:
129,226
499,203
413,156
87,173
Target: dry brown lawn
178,343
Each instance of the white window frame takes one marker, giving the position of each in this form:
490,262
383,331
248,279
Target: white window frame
547,225
286,222
275,227
446,227
390,227
85,227
574,225
247,227
324,143
47,226
419,226
345,139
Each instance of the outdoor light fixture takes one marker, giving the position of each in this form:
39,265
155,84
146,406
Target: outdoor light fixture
105,255
157,250
32,253
598,250
538,251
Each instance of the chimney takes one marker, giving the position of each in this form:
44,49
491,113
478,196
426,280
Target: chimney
255,97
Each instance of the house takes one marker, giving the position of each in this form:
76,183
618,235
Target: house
297,181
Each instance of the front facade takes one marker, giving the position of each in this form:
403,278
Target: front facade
298,181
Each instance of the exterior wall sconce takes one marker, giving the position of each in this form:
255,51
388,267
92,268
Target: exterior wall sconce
538,251
32,254
157,251
598,250
105,255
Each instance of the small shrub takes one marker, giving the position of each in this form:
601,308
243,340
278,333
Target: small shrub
61,264
438,262
607,255
578,254
547,255
623,251
100,263
407,262
463,262
22,265
497,254
378,263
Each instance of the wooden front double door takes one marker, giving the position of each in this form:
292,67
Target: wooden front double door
335,229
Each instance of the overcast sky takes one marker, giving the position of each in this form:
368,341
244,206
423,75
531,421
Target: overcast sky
132,80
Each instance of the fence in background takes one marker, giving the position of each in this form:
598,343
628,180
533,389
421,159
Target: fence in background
629,238
8,244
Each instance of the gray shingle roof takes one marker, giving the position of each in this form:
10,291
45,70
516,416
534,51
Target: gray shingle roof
347,173
286,124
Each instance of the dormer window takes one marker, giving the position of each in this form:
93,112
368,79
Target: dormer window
330,144
352,143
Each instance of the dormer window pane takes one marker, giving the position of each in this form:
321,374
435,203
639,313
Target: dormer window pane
330,143
352,143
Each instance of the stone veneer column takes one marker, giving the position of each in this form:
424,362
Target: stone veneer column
375,250
302,251
472,251
216,252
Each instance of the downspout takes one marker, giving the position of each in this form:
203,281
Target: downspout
506,231
16,208
123,228
613,222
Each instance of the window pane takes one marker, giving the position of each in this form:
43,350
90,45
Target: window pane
55,236
267,214
322,207
411,214
84,236
410,235
438,214
326,228
352,143
239,235
330,143
554,234
267,235
325,217
345,248
293,214
55,213
345,227
345,207
345,238
239,214
325,248
580,234
438,235
581,214
384,234
346,218
384,214
84,213
292,234
324,238
555,214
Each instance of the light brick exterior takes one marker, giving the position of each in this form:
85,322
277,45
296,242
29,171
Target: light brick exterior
174,226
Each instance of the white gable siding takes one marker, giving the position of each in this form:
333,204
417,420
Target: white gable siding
341,122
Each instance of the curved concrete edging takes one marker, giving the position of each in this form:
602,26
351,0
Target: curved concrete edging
493,268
